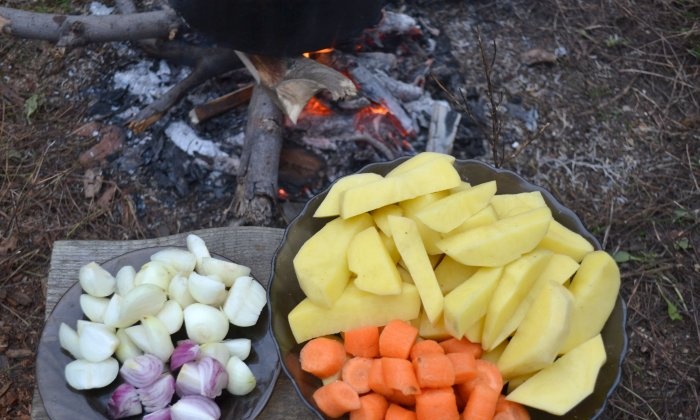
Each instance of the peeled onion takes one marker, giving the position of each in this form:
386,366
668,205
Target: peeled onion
83,374
95,280
205,324
181,260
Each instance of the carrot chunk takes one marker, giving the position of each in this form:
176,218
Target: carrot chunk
363,341
425,347
510,410
373,406
396,412
399,375
481,404
453,345
487,374
464,366
336,399
437,404
434,371
376,380
396,339
322,356
356,373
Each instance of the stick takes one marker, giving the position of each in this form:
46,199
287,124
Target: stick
255,200
218,106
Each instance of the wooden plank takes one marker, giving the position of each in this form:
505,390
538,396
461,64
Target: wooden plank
252,246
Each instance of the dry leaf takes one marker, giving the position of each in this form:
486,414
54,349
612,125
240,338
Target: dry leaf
8,245
538,56
107,196
92,182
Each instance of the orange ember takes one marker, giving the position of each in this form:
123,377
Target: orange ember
316,108
319,52
282,194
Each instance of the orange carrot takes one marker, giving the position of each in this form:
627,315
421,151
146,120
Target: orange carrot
510,410
372,407
481,404
336,399
399,375
396,412
464,366
487,374
322,356
453,345
434,371
425,347
437,404
376,380
398,397
356,373
363,341
397,338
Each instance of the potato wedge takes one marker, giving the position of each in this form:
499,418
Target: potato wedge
330,206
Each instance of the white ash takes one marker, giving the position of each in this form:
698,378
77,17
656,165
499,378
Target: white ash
146,84
206,152
99,9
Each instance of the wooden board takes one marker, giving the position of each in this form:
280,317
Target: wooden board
254,244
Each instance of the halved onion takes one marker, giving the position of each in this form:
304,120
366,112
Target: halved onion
245,301
171,316
141,301
225,270
82,374
154,272
69,341
93,307
181,260
196,246
179,291
205,324
97,343
158,337
206,290
95,280
126,348
241,379
125,279
239,347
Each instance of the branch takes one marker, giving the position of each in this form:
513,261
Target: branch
71,31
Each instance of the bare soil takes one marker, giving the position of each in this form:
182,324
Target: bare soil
617,139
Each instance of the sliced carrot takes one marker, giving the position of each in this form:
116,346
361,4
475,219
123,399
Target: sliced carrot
425,347
363,341
481,404
437,404
396,412
356,373
487,374
397,338
464,366
399,397
373,406
434,371
322,356
510,410
376,380
336,399
453,345
399,375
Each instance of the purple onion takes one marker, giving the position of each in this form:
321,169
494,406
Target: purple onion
158,394
185,351
162,414
141,370
195,407
124,402
206,377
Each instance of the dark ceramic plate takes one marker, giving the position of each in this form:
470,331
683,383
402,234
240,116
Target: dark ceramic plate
284,291
63,402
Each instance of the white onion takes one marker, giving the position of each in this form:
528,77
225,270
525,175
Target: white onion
241,379
125,279
95,280
93,307
126,348
197,247
154,272
68,339
206,290
143,300
181,260
137,335
239,347
159,341
82,374
82,323
97,343
112,315
180,292
195,407
226,270
245,301
205,324
171,316
217,351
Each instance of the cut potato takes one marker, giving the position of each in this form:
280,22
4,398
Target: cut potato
515,284
595,288
431,330
418,160
321,265
508,205
330,206
354,308
560,269
559,387
467,304
486,216
413,254
540,335
412,207
371,262
451,211
450,274
476,331
562,240
381,217
434,175
499,243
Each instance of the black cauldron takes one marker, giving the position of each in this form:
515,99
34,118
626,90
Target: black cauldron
279,27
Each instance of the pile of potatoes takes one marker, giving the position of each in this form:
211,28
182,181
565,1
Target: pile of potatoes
422,245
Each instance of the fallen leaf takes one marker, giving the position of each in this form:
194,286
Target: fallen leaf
8,245
92,182
88,129
111,141
107,196
538,56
